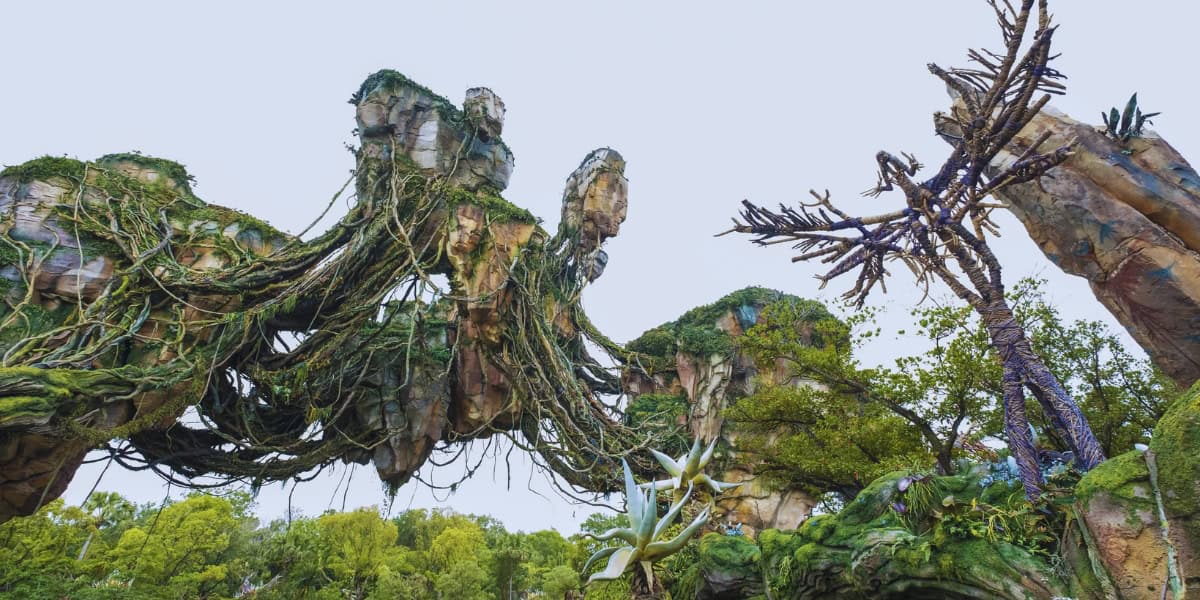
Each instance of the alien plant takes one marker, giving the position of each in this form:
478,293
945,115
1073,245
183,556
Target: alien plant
1127,124
941,230
641,551
688,469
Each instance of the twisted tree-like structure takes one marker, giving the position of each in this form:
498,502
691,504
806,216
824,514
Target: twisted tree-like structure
195,340
942,231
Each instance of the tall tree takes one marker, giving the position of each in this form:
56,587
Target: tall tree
857,422
942,229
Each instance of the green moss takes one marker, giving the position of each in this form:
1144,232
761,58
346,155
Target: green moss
729,553
45,168
819,527
1116,477
806,553
20,408
497,208
656,342
168,168
774,542
697,333
1176,445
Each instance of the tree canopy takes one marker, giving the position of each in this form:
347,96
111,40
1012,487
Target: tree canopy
851,423
209,546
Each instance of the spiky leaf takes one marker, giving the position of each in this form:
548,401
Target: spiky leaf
1127,116
617,563
600,554
672,513
668,463
658,550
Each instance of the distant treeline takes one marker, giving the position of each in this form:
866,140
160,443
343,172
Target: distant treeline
212,546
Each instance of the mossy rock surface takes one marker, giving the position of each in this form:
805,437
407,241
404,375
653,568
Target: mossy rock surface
729,568
887,543
1176,446
698,333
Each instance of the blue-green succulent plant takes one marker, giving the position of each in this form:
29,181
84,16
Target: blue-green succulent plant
640,549
688,470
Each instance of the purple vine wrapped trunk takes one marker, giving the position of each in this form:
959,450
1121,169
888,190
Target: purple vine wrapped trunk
941,233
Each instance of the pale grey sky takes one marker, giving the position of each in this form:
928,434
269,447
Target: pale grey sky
709,102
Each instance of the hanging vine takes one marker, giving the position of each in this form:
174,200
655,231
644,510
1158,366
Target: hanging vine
198,341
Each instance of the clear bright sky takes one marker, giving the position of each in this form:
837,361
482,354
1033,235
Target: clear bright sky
710,102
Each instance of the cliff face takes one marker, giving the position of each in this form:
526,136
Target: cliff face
695,361
1126,217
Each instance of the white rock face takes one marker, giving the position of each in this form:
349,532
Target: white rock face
594,203
487,110
398,118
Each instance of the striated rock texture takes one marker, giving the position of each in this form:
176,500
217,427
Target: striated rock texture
1125,216
49,271
129,300
691,374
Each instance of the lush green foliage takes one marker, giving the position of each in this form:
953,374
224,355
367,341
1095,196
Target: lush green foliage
930,409
665,415
644,528
208,546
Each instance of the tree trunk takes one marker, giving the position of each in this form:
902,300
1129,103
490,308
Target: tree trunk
1023,366
1016,426
643,585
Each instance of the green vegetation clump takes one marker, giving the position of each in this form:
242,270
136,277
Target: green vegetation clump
913,527
729,554
493,204
1176,445
207,546
45,168
697,333
1117,477
658,342
170,169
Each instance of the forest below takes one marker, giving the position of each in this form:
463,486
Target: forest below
213,546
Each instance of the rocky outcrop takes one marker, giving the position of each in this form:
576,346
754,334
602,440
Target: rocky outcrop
49,270
694,358
1126,217
401,120
1116,503
185,302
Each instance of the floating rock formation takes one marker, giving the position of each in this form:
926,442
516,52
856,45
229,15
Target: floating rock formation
129,300
693,359
1125,215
